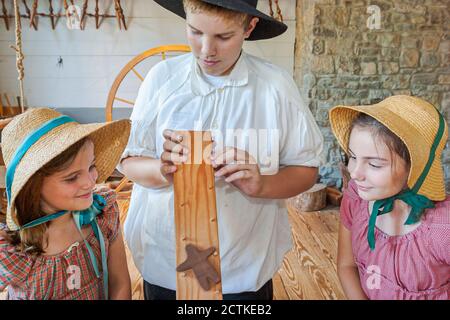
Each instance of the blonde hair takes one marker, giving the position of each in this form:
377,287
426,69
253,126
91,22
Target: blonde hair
197,6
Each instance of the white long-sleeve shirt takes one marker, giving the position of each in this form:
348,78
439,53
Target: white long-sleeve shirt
262,101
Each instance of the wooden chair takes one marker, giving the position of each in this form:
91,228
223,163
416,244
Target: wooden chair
123,188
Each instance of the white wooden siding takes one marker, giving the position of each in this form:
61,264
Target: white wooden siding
92,58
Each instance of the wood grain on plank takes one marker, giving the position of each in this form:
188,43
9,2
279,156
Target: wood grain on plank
279,292
196,214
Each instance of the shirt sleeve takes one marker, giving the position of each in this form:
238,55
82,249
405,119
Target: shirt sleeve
439,231
443,244
301,142
142,140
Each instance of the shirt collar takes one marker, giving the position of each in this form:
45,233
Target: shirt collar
238,77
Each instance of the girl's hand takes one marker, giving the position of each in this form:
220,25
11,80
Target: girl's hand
240,169
174,153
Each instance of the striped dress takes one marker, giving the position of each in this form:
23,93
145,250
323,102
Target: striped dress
67,275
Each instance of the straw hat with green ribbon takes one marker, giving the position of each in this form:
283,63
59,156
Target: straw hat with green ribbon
34,138
423,130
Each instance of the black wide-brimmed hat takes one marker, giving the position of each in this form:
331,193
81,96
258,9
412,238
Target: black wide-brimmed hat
266,28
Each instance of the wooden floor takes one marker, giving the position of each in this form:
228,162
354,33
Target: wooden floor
309,269
137,290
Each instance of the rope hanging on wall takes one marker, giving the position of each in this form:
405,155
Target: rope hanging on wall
19,54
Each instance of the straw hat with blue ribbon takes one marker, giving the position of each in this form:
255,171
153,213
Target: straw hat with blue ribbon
34,138
423,130
62,132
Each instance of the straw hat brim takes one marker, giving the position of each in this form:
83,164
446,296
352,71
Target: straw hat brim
413,128
109,141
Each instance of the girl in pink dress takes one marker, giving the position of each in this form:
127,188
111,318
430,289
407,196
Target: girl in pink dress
394,236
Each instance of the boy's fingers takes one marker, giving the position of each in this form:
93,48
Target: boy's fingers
231,169
168,169
224,156
237,176
173,147
232,155
172,136
174,158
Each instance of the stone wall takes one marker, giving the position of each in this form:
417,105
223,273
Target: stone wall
341,58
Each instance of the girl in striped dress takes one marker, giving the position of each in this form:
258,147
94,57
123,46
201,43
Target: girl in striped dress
62,239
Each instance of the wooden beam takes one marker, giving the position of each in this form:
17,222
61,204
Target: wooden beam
137,74
196,215
124,101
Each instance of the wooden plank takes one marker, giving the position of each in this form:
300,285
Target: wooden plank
137,285
300,283
326,241
314,255
196,215
332,277
315,281
313,221
325,287
279,291
291,278
307,251
306,248
330,219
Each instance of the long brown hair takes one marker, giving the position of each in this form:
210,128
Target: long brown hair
28,202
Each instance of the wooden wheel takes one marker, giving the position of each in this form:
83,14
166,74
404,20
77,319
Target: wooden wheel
163,52
127,96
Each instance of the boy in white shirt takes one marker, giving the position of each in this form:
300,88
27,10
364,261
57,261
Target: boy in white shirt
238,97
